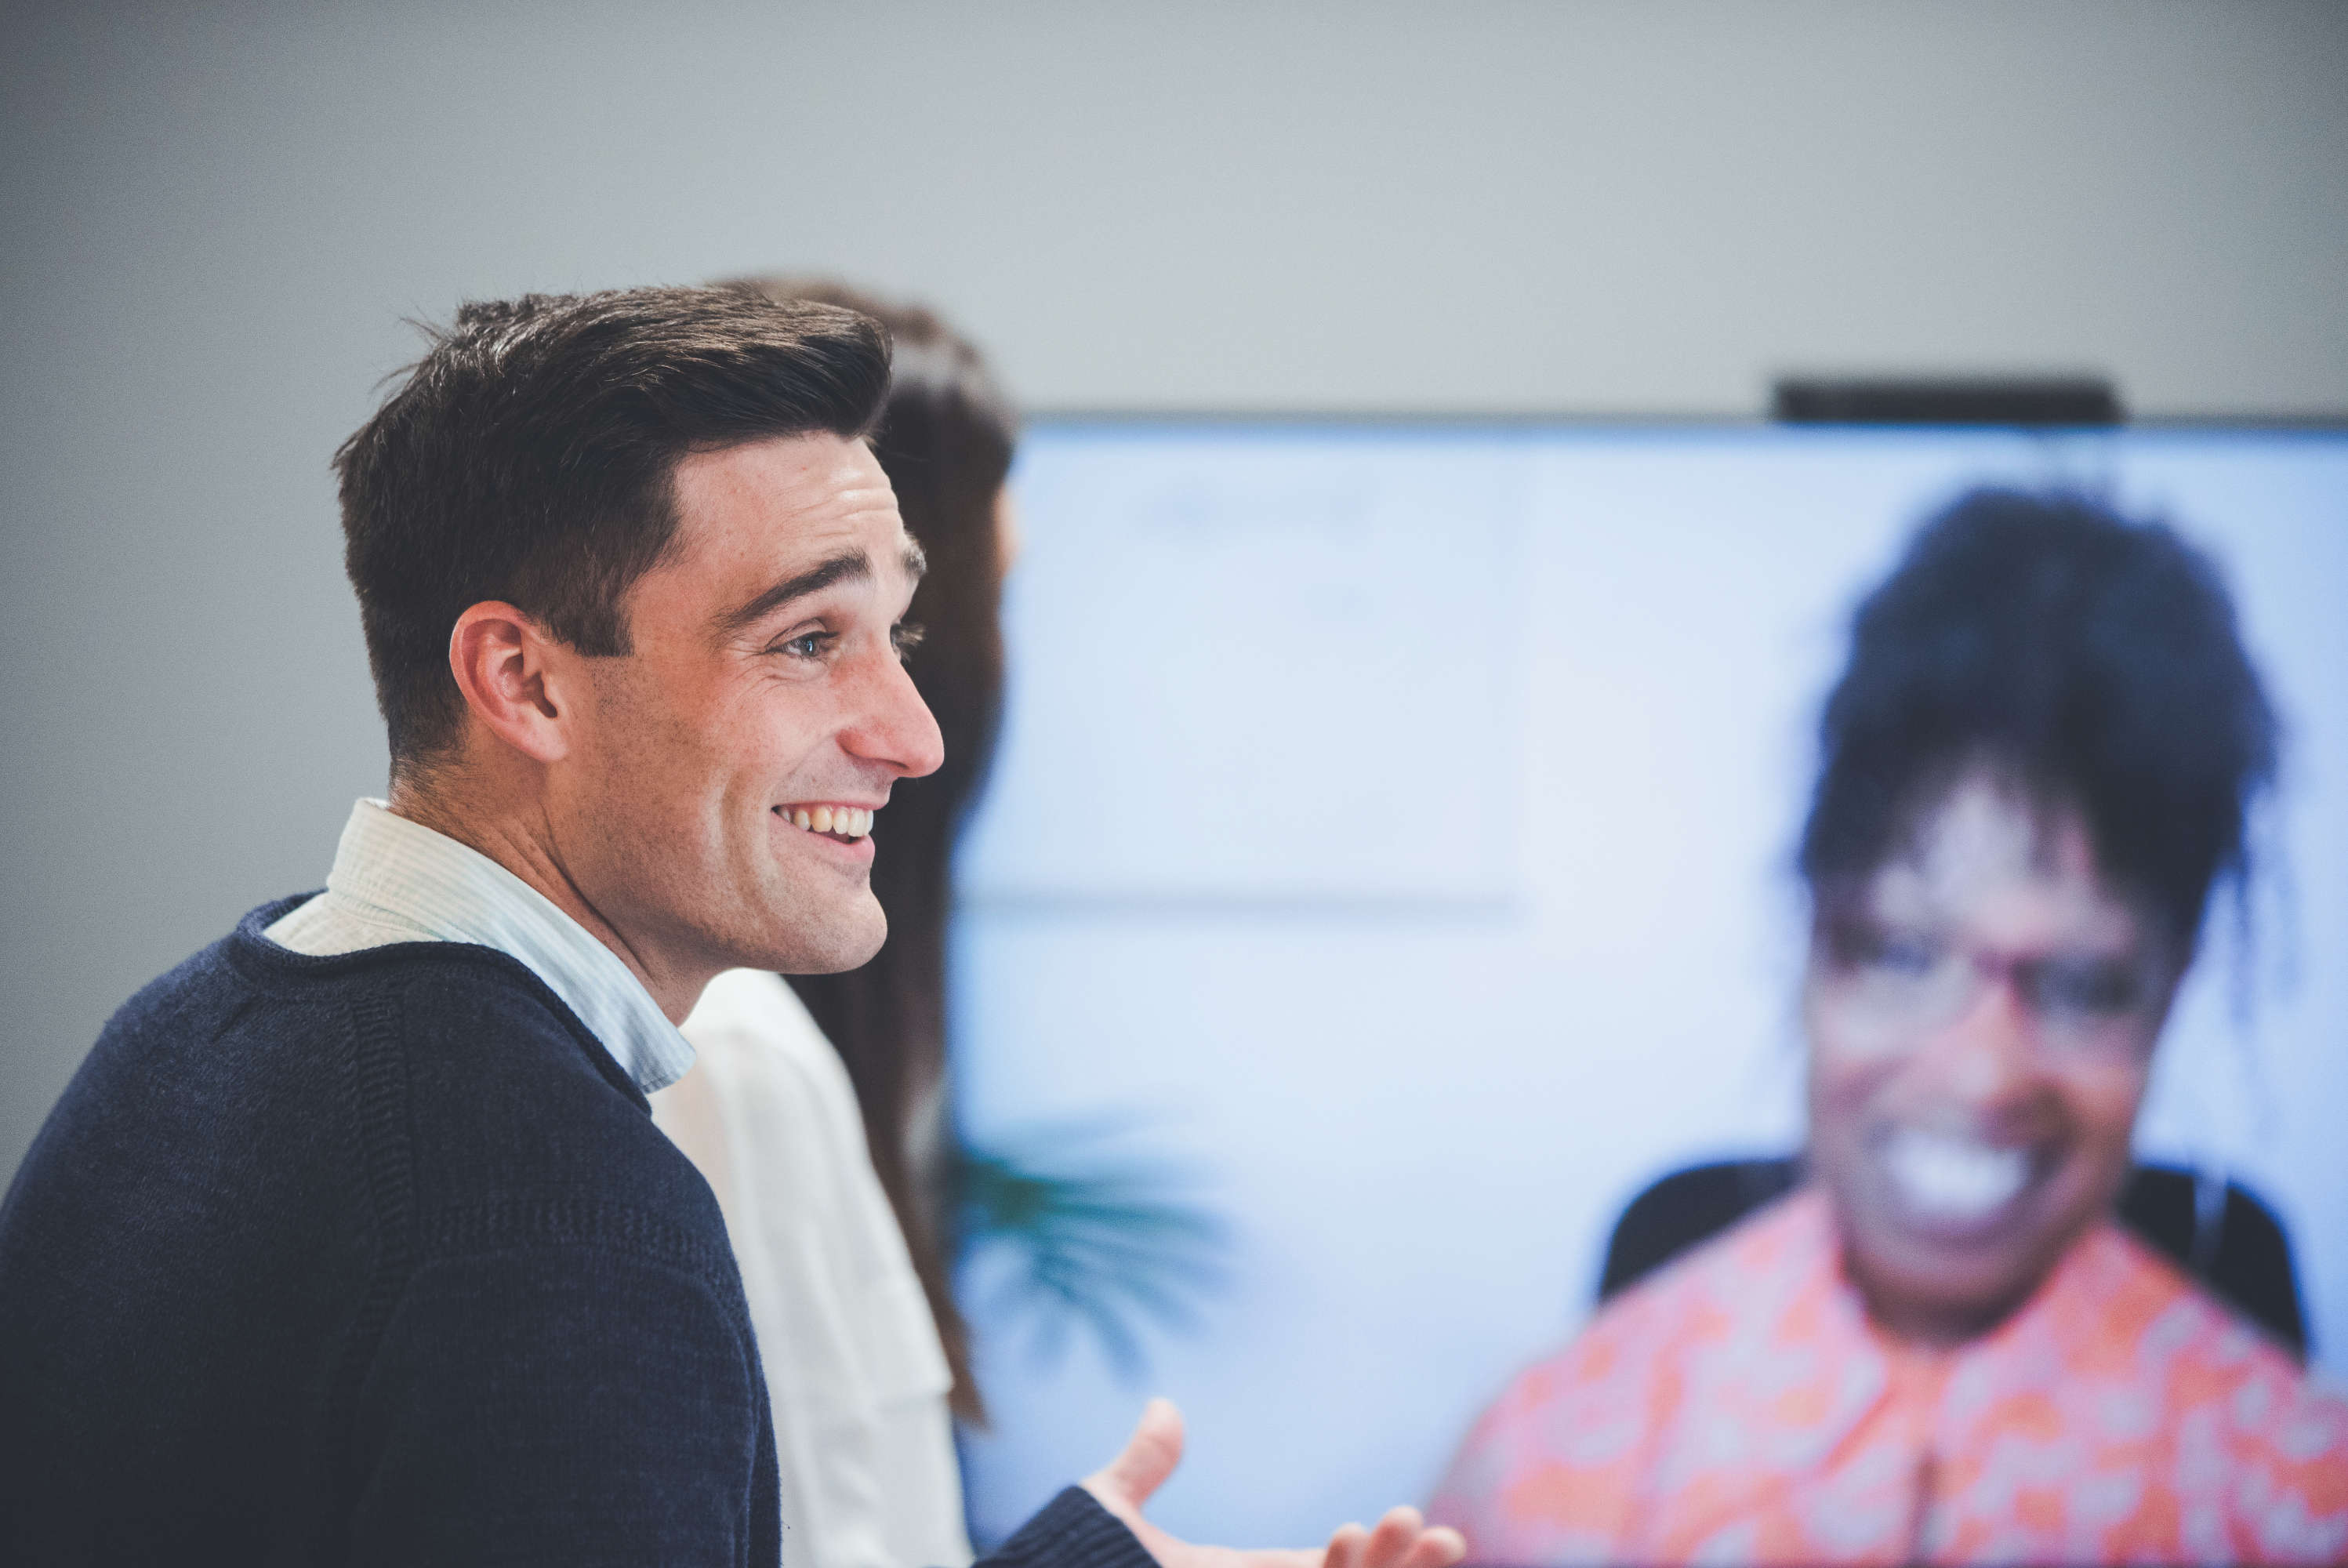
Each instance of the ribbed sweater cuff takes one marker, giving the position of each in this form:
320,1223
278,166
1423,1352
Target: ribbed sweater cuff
1072,1530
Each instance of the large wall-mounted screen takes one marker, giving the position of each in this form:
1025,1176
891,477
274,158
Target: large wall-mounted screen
1387,873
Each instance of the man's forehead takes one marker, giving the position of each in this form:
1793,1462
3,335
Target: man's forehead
794,499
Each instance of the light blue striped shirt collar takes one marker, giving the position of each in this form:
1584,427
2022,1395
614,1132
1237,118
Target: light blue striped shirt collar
397,880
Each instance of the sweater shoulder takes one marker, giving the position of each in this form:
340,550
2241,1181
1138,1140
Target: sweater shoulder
475,1105
520,1129
202,993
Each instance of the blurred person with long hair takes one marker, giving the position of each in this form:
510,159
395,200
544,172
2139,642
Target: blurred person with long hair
1941,1346
814,1107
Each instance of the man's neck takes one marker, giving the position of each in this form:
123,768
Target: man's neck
522,843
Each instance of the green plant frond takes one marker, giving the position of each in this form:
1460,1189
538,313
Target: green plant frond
1111,1244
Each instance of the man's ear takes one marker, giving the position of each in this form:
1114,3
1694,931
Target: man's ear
515,678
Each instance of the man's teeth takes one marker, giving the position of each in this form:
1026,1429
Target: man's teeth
848,821
1953,1178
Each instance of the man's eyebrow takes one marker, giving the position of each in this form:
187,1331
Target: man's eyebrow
844,567
917,563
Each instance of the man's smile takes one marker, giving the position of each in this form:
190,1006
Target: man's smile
847,826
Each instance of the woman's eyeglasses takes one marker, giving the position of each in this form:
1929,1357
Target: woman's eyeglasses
1894,982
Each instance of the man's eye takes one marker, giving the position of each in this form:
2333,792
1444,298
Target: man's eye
906,636
806,644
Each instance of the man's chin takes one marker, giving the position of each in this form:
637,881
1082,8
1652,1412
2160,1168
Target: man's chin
829,947
833,964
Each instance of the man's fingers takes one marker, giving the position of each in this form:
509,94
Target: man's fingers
1437,1548
1149,1457
1402,1539
1346,1547
1396,1533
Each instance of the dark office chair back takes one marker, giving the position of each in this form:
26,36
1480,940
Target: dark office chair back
2223,1236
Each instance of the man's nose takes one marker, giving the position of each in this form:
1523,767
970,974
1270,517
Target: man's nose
892,725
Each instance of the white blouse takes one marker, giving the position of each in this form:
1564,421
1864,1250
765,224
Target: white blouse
854,1368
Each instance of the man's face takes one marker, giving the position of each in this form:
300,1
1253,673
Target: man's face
764,691
1982,1014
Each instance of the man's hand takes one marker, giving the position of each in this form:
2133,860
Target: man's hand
1402,1539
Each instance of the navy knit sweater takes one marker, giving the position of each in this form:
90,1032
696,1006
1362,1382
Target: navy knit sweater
375,1259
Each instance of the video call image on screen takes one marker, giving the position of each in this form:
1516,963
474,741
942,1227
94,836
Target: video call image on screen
1387,873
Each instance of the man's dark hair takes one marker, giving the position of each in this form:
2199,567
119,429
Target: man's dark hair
2093,659
529,456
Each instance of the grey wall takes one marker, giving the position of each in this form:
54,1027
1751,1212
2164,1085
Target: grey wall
214,223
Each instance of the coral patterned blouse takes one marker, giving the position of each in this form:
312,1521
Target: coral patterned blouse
1740,1407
